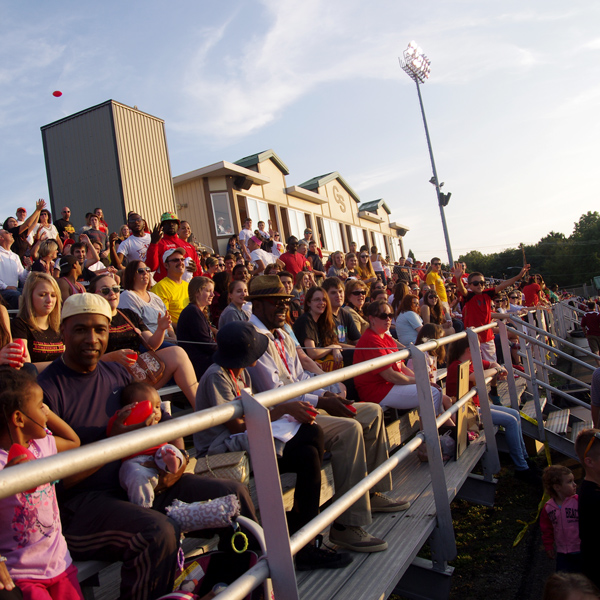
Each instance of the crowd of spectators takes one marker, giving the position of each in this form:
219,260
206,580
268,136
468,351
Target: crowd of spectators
90,302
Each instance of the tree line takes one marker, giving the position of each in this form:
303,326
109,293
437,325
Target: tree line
567,261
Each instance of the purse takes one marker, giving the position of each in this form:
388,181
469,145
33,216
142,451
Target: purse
229,465
149,367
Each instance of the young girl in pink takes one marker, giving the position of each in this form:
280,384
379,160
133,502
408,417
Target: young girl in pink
559,519
31,540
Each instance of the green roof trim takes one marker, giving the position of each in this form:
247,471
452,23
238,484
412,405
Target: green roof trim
316,182
374,205
254,159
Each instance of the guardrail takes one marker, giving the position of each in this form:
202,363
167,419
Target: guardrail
278,564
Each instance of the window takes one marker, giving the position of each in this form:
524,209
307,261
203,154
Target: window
297,221
332,235
394,248
258,210
379,242
358,235
222,213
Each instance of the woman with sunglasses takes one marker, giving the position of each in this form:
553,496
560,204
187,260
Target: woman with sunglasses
432,311
124,341
44,230
315,330
355,295
365,268
392,386
136,296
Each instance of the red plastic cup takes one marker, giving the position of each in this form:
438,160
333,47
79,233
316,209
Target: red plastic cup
21,342
313,413
351,408
132,356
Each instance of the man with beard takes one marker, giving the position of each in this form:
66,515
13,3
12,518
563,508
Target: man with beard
135,247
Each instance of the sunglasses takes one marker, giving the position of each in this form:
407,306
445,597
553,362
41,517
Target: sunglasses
364,256
278,301
477,283
105,291
176,260
359,293
432,296
436,264
514,297
590,443
385,316
142,270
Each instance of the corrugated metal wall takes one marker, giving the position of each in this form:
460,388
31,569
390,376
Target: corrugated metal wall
198,211
145,170
111,156
82,166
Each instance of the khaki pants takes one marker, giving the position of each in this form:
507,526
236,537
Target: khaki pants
357,446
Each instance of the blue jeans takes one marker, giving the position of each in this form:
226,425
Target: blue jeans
12,298
511,421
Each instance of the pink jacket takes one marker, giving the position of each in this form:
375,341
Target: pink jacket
560,525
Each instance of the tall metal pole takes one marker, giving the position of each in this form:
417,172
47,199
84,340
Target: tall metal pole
437,183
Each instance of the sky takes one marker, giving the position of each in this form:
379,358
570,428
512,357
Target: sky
512,103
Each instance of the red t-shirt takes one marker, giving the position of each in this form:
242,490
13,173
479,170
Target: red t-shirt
477,311
155,253
294,263
532,294
590,323
371,387
452,378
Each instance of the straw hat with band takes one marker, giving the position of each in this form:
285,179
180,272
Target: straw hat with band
239,345
267,286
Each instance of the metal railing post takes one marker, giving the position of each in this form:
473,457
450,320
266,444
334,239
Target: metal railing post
270,499
492,464
443,543
510,379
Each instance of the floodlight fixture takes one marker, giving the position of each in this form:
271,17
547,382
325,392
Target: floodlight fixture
415,64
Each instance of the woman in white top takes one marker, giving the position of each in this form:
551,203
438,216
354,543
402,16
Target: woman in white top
136,297
44,230
376,263
409,321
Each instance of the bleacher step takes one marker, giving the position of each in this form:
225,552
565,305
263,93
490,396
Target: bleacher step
579,426
529,407
558,421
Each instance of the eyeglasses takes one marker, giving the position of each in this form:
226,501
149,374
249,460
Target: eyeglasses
359,293
590,443
135,219
477,283
105,291
385,316
142,270
176,260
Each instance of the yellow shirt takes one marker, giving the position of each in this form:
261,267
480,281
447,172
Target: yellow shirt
434,279
174,295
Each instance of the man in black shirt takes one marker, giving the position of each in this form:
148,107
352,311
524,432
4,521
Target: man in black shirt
98,521
64,225
21,231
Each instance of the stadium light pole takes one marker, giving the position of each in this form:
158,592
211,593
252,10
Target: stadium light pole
418,67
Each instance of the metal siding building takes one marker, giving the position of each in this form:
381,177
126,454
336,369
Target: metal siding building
112,156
